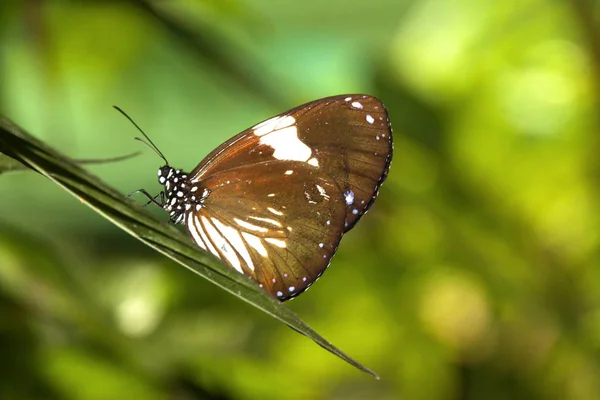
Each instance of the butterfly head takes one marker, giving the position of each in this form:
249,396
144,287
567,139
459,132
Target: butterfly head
176,192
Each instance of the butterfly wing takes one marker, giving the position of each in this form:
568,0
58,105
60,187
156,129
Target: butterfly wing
276,221
347,137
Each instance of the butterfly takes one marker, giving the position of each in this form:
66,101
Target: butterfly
274,201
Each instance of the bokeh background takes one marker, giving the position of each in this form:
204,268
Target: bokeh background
475,275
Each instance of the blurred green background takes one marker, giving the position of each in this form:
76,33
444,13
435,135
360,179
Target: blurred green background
474,276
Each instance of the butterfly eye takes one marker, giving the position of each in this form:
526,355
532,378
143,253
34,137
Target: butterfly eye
275,200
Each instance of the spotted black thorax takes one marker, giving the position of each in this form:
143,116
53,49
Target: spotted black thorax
179,195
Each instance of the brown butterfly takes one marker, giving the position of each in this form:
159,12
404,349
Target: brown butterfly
274,201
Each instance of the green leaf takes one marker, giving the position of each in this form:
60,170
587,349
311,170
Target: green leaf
22,147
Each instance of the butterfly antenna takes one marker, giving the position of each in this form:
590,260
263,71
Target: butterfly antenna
150,143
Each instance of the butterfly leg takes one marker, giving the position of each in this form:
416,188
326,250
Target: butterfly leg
150,197
153,200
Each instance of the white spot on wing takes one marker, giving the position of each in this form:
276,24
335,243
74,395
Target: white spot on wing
314,162
274,211
322,191
277,242
269,220
289,172
356,104
285,121
349,197
255,242
286,144
249,226
370,119
273,124
265,126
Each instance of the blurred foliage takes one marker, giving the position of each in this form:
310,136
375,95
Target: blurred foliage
474,276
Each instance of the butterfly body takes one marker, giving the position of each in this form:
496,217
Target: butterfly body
275,200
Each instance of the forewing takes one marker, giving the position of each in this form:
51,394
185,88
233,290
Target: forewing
278,222
347,137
